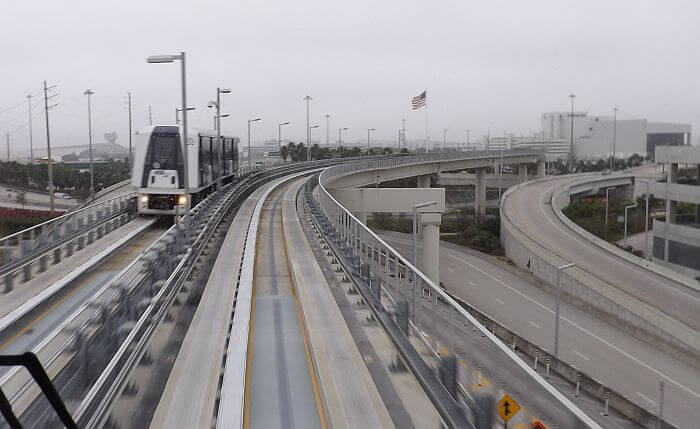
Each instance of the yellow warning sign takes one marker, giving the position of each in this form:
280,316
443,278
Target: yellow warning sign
507,408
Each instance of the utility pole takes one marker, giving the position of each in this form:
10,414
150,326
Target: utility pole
328,124
48,144
444,138
403,132
612,156
308,131
130,132
150,116
467,130
89,93
31,139
488,140
571,144
8,146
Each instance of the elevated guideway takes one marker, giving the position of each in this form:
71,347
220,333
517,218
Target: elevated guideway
272,364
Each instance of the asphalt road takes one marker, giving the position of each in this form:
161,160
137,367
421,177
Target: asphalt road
530,211
34,200
625,364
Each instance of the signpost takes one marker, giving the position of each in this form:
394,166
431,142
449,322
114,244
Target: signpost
507,408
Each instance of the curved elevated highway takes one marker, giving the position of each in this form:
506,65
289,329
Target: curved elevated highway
530,210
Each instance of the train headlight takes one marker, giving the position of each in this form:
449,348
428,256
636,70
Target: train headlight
144,198
182,200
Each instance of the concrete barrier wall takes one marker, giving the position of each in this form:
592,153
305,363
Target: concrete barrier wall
560,199
645,418
599,298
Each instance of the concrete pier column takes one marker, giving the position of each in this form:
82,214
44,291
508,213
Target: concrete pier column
541,169
424,181
522,172
362,217
671,206
480,192
430,223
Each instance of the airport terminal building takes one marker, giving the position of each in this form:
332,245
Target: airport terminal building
593,135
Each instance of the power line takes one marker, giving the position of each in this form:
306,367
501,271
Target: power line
11,108
18,104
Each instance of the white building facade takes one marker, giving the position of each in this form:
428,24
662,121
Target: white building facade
594,135
677,237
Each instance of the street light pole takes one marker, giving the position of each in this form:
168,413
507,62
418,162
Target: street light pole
612,156
31,143
279,137
340,135
403,133
89,93
571,143
130,131
219,146
48,145
415,246
177,115
646,219
157,59
557,307
467,130
249,151
500,174
311,128
444,138
308,136
368,145
631,206
607,203
328,132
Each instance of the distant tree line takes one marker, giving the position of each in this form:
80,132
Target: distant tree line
562,166
297,151
65,179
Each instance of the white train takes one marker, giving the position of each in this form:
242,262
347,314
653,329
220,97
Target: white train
158,171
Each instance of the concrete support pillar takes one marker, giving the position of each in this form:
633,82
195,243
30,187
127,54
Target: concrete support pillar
362,217
430,223
480,192
671,206
522,171
541,168
424,181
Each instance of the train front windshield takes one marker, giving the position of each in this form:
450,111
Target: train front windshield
164,153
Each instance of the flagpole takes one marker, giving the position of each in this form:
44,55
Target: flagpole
426,121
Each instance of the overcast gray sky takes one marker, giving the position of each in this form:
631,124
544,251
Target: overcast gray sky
486,64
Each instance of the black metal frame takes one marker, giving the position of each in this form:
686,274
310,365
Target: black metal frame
32,364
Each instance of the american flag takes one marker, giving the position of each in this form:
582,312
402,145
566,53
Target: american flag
419,100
